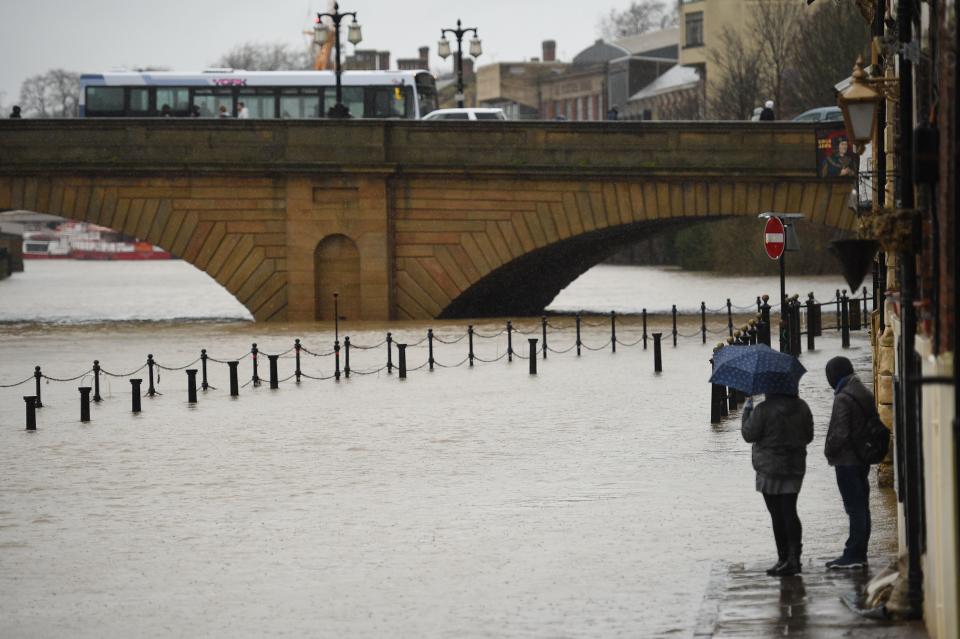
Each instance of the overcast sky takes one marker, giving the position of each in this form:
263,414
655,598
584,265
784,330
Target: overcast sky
97,35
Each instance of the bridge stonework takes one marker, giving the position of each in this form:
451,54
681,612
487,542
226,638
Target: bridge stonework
406,220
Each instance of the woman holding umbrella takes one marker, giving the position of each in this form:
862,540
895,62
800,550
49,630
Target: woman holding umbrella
779,429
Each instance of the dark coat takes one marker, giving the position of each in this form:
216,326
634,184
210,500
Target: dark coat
767,114
779,429
847,417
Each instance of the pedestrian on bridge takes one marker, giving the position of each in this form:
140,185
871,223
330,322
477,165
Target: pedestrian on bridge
767,113
15,113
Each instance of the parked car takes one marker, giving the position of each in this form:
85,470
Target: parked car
466,114
821,114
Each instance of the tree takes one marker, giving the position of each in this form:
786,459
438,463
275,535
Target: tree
737,90
774,27
252,56
54,94
640,17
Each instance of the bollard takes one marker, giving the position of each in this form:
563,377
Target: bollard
759,299
203,366
865,323
674,312
579,343
96,381
644,329
543,325
811,323
274,378
470,342
84,403
37,375
533,355
844,322
703,321
135,394
31,405
191,386
657,359
390,350
151,391
234,379
854,313
336,359
838,309
256,377
613,331
729,317
509,341
296,350
430,347
714,399
795,341
402,361
346,357
763,332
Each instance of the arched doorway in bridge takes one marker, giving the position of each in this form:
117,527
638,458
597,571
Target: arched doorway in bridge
336,269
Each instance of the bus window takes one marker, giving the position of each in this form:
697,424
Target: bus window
260,103
389,102
209,102
138,102
176,100
352,99
300,103
104,101
426,93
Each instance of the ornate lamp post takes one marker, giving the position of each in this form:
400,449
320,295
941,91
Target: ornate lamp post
320,35
443,49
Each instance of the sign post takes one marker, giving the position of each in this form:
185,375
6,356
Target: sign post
776,244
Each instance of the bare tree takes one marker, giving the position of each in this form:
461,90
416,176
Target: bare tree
253,56
774,27
54,94
737,89
640,17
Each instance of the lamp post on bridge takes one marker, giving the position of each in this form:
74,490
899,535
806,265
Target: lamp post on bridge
443,50
320,35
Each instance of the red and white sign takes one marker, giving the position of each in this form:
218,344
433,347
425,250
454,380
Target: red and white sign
774,237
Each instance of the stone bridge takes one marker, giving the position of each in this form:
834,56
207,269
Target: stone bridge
406,220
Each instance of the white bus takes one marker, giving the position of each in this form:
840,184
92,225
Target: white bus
265,94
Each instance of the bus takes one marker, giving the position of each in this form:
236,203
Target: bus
265,94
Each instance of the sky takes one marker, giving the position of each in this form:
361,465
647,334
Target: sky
90,36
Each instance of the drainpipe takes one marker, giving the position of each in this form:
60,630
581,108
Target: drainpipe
956,299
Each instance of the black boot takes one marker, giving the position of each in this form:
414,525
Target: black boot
781,553
793,565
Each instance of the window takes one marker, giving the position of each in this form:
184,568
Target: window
176,100
104,100
300,103
694,29
352,99
209,101
260,103
390,102
139,102
490,116
454,116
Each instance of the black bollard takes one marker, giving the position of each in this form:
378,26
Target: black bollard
203,366
657,358
234,379
191,386
729,317
759,299
402,361
763,333
795,329
844,322
390,350
84,403
533,355
296,350
543,331
151,391
714,400
274,377
838,309
811,323
135,394
96,381
256,377
674,311
37,375
509,341
864,317
613,331
703,321
31,404
430,347
644,329
579,343
854,313
336,359
346,357
470,343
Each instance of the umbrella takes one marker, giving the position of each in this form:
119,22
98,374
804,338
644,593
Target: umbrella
756,369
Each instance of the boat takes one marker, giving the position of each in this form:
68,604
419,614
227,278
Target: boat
83,241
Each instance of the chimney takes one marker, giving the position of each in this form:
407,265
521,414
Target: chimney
467,67
549,50
425,57
384,62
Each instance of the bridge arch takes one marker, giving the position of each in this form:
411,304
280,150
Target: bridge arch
336,270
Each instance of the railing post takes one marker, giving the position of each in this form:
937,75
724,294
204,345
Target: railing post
811,324
703,321
730,317
644,329
613,331
96,381
256,377
838,309
795,329
37,376
657,358
430,347
346,357
759,300
151,391
274,377
296,350
203,368
135,394
579,343
234,378
470,343
336,360
674,312
533,355
844,322
864,318
509,341
84,403
402,361
191,386
31,406
543,331
390,350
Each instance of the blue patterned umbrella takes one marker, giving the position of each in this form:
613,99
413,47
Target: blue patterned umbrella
756,369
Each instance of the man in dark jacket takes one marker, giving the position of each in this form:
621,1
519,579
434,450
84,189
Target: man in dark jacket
852,404
780,429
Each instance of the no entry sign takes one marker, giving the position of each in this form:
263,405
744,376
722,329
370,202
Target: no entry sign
774,237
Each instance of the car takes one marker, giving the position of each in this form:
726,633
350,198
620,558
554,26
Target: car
466,114
821,114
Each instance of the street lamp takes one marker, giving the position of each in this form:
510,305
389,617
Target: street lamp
859,102
320,35
443,50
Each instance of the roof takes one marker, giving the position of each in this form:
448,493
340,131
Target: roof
677,78
650,41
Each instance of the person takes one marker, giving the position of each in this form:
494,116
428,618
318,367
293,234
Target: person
15,113
780,429
841,163
613,113
852,403
195,111
767,113
223,111
165,111
242,112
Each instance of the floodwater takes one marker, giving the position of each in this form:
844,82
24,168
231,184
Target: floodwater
591,500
